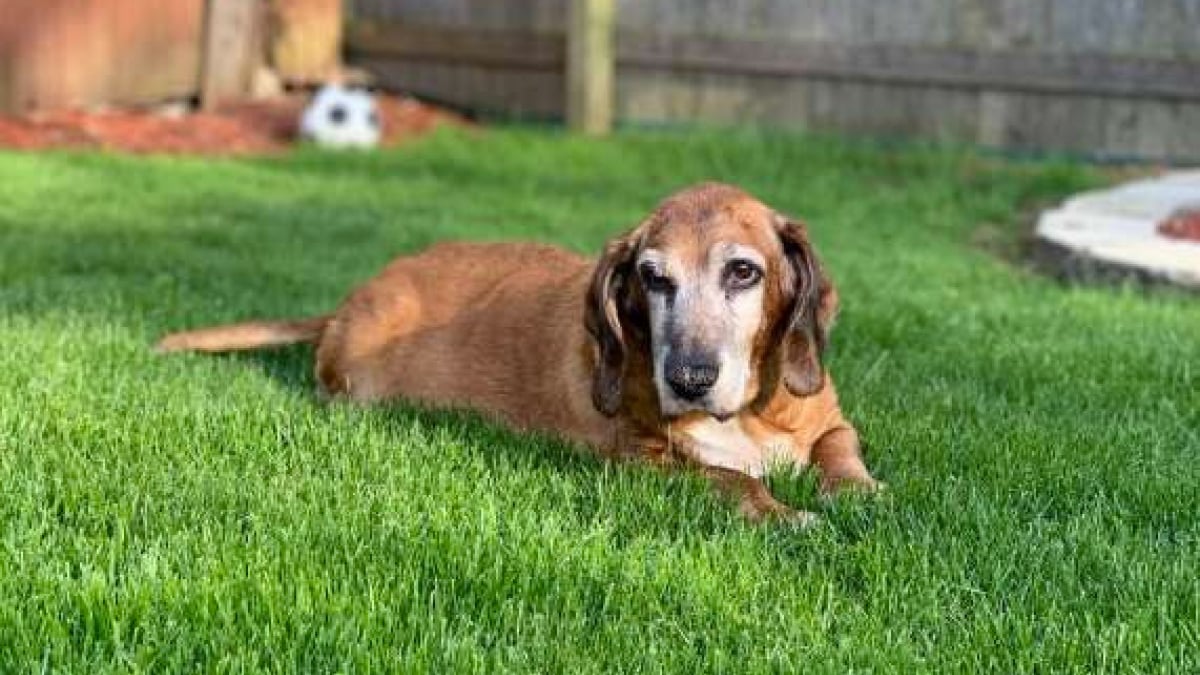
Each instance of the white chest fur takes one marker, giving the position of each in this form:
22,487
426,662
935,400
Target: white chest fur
727,445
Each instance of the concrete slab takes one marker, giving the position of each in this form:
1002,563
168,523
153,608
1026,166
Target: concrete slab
1113,233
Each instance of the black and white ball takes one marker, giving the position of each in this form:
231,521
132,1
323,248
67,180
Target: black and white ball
341,117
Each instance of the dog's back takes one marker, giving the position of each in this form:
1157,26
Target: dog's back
485,326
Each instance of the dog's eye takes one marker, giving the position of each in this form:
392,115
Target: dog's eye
742,274
654,281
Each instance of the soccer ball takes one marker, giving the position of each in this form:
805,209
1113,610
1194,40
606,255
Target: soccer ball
341,117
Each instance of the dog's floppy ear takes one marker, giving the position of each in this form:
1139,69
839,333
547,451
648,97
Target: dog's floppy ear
810,308
603,318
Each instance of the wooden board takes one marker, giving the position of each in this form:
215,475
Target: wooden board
1082,74
508,49
70,53
917,66
233,48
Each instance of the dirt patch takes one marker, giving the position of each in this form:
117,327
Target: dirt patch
262,127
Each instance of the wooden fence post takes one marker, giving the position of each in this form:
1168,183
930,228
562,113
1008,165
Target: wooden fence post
233,47
590,66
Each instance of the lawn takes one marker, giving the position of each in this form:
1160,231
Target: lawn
1041,442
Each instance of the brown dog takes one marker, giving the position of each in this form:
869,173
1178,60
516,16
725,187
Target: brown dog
696,337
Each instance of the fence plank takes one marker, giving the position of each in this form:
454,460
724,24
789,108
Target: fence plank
67,53
508,49
1081,74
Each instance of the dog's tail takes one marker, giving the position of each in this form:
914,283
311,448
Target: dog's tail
241,336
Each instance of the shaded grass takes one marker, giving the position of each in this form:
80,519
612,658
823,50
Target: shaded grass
191,513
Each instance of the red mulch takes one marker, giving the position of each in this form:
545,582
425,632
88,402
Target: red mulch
261,127
1183,224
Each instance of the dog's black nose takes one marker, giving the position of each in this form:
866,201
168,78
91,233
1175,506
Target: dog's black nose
691,379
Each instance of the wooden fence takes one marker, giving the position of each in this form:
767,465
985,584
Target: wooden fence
77,52
1107,78
71,53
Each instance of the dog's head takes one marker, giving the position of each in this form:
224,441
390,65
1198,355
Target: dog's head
718,297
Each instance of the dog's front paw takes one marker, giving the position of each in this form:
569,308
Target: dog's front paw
757,511
864,484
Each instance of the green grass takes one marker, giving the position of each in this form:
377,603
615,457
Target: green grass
207,513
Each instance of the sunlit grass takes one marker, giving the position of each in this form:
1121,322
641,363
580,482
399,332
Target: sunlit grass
1041,443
